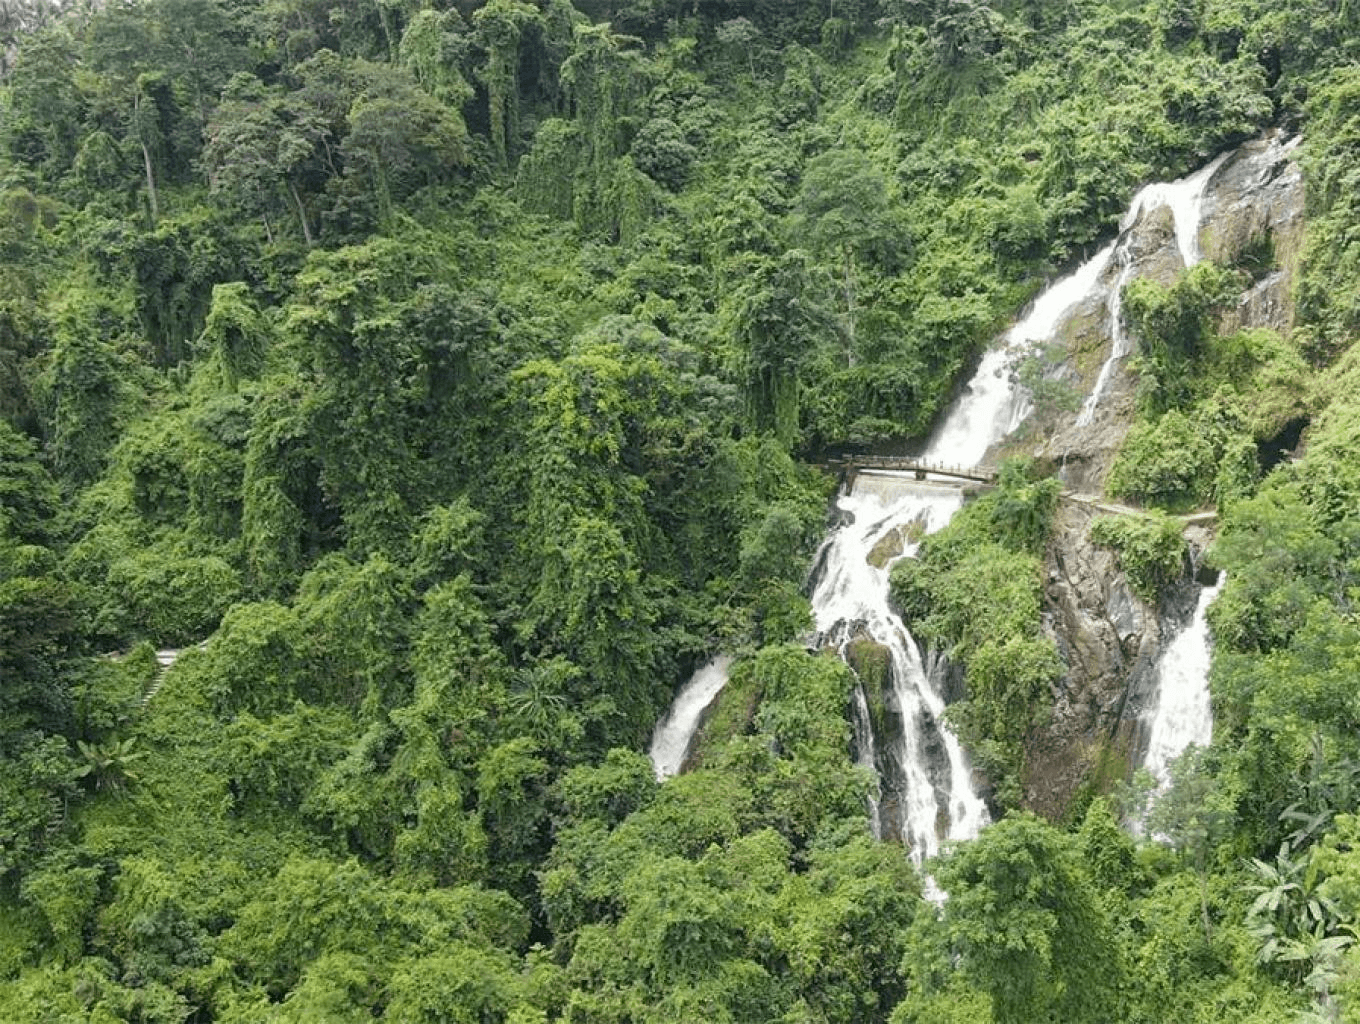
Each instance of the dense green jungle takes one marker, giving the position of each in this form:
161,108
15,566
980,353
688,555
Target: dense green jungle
447,379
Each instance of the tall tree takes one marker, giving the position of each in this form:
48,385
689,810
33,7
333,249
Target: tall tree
1022,923
778,320
843,208
258,148
500,26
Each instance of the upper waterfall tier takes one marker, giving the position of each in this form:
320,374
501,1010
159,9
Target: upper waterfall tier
1184,198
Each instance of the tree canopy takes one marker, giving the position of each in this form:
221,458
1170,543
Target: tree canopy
398,401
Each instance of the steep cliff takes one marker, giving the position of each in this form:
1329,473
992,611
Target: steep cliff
1109,638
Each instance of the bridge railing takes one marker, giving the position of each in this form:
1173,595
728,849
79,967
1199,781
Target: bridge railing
920,467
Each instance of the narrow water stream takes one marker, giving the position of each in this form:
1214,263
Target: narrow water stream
1185,199
673,734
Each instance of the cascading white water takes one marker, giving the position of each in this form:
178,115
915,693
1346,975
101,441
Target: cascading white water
1185,199
1119,339
1182,715
674,733
851,597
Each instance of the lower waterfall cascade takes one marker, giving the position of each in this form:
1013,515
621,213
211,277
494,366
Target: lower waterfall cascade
1182,714
919,796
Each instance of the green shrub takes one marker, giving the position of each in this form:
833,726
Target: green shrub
1150,549
170,599
1260,363
1168,462
1174,327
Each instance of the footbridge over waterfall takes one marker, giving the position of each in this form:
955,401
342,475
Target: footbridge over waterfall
963,475
853,465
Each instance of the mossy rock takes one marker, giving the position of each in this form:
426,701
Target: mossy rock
872,664
893,543
871,660
1108,764
730,715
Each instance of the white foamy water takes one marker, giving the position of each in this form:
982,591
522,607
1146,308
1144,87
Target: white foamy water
992,406
1185,199
851,597
675,732
1047,311
1183,715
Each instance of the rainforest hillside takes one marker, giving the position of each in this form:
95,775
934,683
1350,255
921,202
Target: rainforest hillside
437,384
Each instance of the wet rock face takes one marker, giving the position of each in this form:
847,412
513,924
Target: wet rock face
1110,640
1153,249
1107,637
1254,217
873,666
871,662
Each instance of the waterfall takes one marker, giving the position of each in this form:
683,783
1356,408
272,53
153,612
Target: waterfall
926,790
1182,714
926,795
926,783
992,406
1185,199
1119,339
673,735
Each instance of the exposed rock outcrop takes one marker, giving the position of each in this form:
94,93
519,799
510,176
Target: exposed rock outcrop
1253,216
1110,640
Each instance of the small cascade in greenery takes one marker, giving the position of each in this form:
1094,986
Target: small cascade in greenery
1183,715
866,753
675,732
